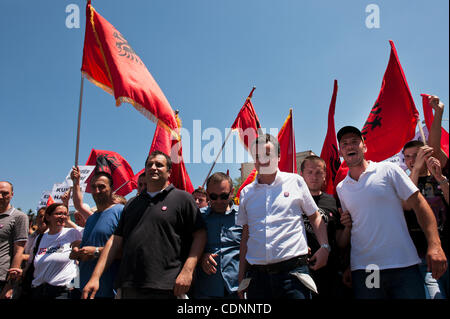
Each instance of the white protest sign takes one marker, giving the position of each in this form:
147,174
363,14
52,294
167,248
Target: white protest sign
58,191
85,172
44,198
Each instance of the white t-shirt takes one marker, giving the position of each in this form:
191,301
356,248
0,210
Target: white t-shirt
273,214
379,233
52,264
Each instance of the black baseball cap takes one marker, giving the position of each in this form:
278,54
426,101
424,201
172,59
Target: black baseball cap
348,129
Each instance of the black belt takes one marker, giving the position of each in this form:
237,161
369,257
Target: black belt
46,288
282,266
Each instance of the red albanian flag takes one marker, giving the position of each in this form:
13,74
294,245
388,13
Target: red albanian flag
247,123
164,142
111,63
116,166
428,114
393,119
288,157
330,152
286,138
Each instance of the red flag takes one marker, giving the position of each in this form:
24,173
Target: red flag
340,175
286,138
393,119
247,123
134,181
250,178
50,200
111,63
164,142
428,114
330,152
115,165
288,158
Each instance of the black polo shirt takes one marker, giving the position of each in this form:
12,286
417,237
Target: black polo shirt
157,237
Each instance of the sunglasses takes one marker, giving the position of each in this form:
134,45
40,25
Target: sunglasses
222,196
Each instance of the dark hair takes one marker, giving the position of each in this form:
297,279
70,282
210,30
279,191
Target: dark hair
200,190
51,208
348,129
218,177
155,153
142,174
267,138
414,143
100,174
312,158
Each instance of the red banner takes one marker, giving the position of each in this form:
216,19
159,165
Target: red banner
115,165
247,123
393,119
111,63
330,152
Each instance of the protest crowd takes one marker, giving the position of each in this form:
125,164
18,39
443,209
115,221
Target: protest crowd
361,229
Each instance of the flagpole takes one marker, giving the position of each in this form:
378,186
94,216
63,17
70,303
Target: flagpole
121,186
223,145
220,152
79,121
422,134
294,158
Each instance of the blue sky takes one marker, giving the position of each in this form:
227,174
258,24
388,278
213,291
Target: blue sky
206,56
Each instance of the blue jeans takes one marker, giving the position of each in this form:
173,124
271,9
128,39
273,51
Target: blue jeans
396,283
264,285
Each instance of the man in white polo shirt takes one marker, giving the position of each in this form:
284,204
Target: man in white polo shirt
273,252
371,195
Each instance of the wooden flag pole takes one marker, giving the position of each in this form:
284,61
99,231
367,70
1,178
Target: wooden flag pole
79,121
422,134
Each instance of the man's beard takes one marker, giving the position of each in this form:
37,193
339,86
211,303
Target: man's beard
101,199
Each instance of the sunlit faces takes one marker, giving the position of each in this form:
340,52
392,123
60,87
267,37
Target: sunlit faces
266,158
58,217
200,199
314,174
101,190
5,196
410,155
220,195
352,149
156,170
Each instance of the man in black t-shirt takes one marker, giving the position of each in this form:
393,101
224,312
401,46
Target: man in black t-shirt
161,236
419,161
327,279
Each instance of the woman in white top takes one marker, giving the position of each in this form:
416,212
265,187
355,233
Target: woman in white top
54,271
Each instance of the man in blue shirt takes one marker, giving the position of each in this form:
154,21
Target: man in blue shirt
98,229
217,273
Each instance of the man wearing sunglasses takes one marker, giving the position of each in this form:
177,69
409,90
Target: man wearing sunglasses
273,246
217,274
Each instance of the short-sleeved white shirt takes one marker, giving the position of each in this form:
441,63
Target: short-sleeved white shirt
379,233
273,214
52,264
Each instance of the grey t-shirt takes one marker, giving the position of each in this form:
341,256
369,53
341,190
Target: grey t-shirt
13,228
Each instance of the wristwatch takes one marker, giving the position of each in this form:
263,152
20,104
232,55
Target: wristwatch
96,252
326,246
